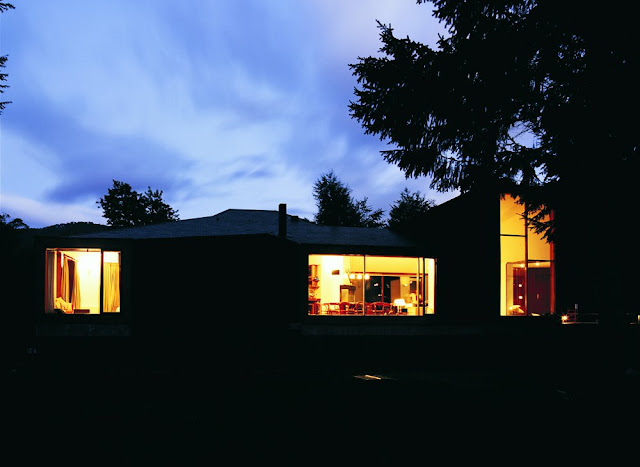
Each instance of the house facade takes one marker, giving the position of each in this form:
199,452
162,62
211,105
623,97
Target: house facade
249,276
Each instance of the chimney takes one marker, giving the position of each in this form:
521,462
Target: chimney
282,220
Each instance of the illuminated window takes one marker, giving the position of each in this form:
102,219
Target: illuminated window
82,281
527,265
371,285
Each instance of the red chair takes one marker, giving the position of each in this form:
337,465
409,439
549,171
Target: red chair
347,308
331,308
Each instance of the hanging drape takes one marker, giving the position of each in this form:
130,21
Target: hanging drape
75,290
111,300
64,283
50,293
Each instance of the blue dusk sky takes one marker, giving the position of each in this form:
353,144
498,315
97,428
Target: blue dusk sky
220,104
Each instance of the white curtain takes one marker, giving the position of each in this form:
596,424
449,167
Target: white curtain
75,294
111,294
64,284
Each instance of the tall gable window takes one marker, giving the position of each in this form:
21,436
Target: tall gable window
527,265
82,281
371,285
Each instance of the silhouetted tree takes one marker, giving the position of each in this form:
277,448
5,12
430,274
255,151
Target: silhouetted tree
407,210
156,209
530,97
336,206
520,94
15,224
124,207
3,76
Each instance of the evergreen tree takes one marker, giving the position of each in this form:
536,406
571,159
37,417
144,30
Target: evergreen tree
524,95
336,206
532,97
406,211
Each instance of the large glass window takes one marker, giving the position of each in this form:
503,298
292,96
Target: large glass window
82,281
371,285
527,265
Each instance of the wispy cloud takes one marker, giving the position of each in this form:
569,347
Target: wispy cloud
218,104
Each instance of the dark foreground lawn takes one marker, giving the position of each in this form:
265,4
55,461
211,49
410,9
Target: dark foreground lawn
304,410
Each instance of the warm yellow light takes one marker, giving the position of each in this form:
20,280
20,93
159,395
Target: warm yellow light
565,318
366,276
111,256
400,302
359,276
352,276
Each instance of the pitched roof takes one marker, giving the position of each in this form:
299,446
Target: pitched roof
258,222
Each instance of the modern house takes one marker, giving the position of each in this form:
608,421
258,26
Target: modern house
254,276
470,260
239,265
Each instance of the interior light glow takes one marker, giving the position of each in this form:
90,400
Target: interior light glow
111,256
359,276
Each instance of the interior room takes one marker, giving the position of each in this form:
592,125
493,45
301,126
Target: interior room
362,285
75,278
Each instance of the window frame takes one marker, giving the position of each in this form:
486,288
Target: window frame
425,286
101,314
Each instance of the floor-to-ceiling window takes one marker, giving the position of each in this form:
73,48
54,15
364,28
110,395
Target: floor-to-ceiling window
527,265
371,285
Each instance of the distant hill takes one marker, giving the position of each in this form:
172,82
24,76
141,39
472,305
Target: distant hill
70,228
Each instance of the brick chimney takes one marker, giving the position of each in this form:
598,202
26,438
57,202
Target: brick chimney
282,220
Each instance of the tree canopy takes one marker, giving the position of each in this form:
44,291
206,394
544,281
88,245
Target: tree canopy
14,224
533,97
124,207
3,59
528,96
336,206
407,210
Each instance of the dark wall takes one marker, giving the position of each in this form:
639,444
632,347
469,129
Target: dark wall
213,294
18,295
464,233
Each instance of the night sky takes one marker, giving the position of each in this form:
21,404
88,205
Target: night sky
219,104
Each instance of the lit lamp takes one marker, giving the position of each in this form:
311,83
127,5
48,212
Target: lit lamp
399,303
